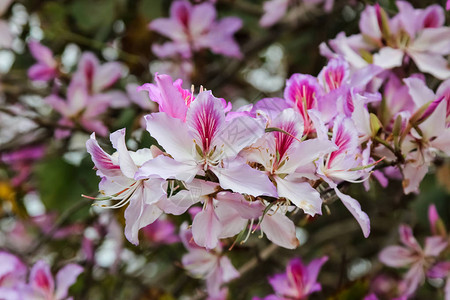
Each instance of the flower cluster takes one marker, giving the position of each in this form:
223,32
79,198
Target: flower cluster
298,282
251,166
412,34
191,29
258,167
88,94
427,262
41,283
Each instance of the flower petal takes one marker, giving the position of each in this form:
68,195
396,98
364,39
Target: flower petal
232,222
206,227
106,75
241,178
239,133
396,256
201,18
388,58
65,278
246,209
313,271
434,245
433,41
102,160
301,194
280,230
172,134
138,215
126,163
41,72
41,278
167,168
355,209
419,91
431,63
41,53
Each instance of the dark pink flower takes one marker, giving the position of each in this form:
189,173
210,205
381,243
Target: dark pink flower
194,27
42,285
413,256
299,281
46,67
162,231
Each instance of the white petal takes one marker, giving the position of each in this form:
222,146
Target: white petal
167,168
241,178
127,165
388,58
232,222
172,134
280,230
419,91
206,228
301,194
355,209
239,133
433,40
434,64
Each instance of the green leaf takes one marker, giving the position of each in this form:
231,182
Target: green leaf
61,184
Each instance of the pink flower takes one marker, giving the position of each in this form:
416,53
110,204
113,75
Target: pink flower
42,285
162,231
289,161
12,270
299,281
96,77
213,266
118,183
171,97
433,134
340,166
207,141
274,10
79,108
301,92
413,256
442,270
194,27
46,67
418,34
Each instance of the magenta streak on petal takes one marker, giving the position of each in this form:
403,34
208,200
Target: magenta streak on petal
205,122
41,280
334,77
296,275
349,103
431,108
283,141
432,19
446,95
185,94
103,160
303,93
182,14
342,141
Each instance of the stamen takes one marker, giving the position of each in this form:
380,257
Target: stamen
249,231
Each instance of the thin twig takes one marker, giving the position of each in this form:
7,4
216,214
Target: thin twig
61,221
